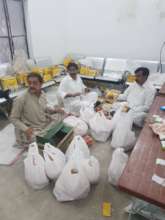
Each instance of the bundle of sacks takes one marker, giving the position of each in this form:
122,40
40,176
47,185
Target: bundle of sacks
39,170
80,171
72,173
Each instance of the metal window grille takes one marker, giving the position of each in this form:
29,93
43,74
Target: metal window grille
13,33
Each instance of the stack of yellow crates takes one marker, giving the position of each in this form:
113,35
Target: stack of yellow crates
9,82
131,78
38,70
67,60
21,78
47,76
87,71
56,70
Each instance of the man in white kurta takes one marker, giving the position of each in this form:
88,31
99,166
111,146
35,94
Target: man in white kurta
71,89
139,96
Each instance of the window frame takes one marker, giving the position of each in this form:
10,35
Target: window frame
11,36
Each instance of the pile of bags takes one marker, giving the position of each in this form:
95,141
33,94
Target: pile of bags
39,169
72,173
80,171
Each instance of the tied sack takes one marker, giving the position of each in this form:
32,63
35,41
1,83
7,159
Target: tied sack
54,161
86,113
72,183
123,136
117,165
77,144
100,127
91,169
34,167
80,127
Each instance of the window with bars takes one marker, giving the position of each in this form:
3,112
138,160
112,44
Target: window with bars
13,35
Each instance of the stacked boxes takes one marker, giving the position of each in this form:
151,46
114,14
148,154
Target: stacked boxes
9,82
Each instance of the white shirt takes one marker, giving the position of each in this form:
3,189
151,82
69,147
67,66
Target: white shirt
139,98
69,85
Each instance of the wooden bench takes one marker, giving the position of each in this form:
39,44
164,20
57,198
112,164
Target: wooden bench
137,176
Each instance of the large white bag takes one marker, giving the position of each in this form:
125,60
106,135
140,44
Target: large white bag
100,127
86,113
91,168
80,127
117,165
123,136
90,97
54,161
34,167
79,144
72,183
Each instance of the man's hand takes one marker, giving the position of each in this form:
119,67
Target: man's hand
29,133
59,110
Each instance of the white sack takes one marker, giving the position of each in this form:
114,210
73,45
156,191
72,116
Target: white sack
100,127
87,113
123,136
91,168
117,165
34,167
72,184
80,127
77,143
54,161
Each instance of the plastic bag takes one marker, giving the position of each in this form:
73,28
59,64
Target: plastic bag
78,143
87,113
72,184
54,161
91,168
100,127
90,97
80,127
117,165
123,136
34,167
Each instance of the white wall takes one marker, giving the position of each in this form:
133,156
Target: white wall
110,28
47,26
116,28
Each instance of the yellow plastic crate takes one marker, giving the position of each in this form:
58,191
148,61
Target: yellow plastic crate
9,82
38,70
131,78
47,77
20,77
55,71
67,60
87,71
47,70
25,79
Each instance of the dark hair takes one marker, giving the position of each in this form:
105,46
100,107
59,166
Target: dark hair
144,70
72,65
36,75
